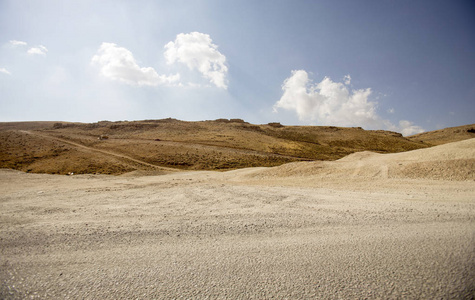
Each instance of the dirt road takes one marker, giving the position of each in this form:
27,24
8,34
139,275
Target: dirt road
108,153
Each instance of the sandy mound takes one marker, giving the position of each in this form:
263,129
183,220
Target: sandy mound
453,161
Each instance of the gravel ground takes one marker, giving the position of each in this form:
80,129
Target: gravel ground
206,235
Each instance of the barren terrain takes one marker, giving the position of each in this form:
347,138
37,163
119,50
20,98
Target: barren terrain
446,135
121,147
367,226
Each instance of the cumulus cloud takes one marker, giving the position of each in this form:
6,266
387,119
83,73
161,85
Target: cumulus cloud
15,43
197,51
5,71
38,50
327,102
331,103
118,63
408,128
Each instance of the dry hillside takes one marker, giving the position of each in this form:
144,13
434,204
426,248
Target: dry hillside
158,145
446,135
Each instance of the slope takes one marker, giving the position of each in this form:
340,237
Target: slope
452,161
446,135
119,147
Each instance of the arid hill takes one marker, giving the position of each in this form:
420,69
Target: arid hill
168,145
446,135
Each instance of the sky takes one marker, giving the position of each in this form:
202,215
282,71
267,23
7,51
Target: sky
399,65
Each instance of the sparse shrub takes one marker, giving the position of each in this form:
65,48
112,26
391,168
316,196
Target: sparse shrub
252,128
275,124
222,120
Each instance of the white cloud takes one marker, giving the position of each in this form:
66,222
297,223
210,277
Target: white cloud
36,50
408,128
327,102
40,50
347,79
331,103
15,43
391,110
118,63
197,51
5,71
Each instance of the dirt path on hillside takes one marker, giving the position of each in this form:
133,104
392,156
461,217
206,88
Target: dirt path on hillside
122,156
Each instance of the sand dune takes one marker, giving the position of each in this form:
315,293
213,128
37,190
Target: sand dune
372,226
453,161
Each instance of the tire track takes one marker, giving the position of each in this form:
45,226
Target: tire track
141,162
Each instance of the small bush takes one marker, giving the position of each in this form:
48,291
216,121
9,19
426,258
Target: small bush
275,124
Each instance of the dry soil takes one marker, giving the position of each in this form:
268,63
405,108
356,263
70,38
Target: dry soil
369,226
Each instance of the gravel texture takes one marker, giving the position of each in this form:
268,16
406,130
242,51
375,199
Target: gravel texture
245,234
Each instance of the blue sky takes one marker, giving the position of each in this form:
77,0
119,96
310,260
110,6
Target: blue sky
399,65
